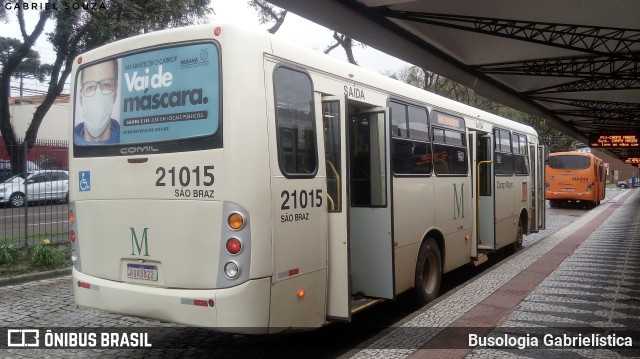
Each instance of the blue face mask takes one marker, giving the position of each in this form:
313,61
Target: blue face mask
96,111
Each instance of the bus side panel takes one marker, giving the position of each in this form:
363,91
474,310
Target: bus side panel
247,177
413,212
452,199
299,230
291,310
506,217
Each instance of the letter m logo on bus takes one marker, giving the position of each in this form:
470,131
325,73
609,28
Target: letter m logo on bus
137,245
458,202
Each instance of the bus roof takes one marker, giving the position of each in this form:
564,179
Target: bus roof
306,58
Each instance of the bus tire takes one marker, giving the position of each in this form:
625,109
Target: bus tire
517,245
428,271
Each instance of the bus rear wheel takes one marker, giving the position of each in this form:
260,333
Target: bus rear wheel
428,271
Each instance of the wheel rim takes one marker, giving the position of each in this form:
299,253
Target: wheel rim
17,201
429,271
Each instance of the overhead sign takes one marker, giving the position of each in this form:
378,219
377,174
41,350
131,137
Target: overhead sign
614,141
447,120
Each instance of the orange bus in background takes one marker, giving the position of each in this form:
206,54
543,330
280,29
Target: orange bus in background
573,177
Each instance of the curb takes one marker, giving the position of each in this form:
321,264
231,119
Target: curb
30,277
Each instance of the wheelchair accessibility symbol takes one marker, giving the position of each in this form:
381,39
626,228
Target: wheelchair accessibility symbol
85,181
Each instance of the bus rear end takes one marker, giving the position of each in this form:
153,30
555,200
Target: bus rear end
572,177
160,228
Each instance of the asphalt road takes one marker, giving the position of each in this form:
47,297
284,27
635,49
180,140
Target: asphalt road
41,218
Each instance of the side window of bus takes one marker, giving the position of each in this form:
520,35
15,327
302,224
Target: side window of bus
411,150
449,152
503,157
520,154
297,153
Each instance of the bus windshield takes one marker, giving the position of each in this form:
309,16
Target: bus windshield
569,162
159,95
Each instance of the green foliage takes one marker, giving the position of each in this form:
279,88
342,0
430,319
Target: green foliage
48,256
8,253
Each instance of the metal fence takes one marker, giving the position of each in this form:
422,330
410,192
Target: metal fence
34,203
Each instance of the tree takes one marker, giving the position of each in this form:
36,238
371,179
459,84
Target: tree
418,77
79,28
346,43
268,13
29,67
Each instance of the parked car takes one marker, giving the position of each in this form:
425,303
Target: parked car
5,169
627,183
40,186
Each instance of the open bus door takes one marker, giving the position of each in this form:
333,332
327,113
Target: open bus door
369,205
541,211
473,156
538,205
537,187
338,289
483,179
359,219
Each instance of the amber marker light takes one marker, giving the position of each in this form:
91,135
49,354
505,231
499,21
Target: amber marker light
300,294
72,217
235,221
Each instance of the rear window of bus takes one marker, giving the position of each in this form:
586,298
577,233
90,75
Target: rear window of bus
569,162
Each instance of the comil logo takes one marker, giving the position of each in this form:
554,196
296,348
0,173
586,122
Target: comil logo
23,338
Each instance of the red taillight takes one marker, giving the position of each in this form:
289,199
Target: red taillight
234,246
72,236
217,31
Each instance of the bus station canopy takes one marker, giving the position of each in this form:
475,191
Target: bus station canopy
576,63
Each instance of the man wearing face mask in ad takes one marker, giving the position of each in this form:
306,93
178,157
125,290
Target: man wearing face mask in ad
97,96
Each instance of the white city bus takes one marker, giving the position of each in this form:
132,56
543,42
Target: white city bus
247,184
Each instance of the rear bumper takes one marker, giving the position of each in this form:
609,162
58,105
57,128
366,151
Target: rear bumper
576,196
240,309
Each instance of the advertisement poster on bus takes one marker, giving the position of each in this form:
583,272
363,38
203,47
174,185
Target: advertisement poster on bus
160,95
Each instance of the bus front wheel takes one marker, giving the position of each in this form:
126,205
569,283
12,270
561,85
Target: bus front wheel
428,271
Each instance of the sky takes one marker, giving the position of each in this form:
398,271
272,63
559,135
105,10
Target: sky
295,29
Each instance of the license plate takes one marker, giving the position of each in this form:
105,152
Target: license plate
142,271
